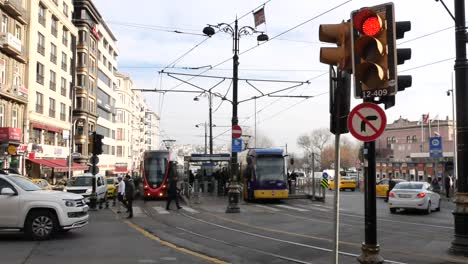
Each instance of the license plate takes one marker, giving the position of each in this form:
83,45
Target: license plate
404,195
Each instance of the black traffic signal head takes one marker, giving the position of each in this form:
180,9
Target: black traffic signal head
340,35
374,51
98,144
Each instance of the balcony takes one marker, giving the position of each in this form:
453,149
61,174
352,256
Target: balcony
64,66
63,91
53,58
16,10
39,109
11,44
54,31
51,113
42,21
40,79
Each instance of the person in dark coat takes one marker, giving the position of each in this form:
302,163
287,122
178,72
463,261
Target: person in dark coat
447,185
391,185
172,190
129,193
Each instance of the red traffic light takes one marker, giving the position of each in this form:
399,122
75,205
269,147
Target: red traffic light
367,22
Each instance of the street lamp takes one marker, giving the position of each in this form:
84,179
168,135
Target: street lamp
198,125
450,92
210,103
236,33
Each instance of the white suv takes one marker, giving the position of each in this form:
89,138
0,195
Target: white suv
83,184
39,213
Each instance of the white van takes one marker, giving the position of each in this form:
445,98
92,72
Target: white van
83,184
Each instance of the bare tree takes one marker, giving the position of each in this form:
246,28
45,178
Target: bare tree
348,154
314,143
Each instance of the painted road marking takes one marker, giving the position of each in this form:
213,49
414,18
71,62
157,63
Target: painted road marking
267,207
190,210
160,210
291,207
138,212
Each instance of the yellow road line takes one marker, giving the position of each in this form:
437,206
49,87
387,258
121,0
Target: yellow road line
168,244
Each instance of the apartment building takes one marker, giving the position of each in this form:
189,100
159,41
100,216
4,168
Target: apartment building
13,83
49,79
151,130
106,97
87,20
404,149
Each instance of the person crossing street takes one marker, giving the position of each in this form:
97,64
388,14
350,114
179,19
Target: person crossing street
120,194
129,193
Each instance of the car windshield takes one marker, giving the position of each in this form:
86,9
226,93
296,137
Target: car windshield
110,181
347,178
24,183
409,186
270,168
81,181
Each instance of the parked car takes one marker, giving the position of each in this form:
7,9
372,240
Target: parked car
381,187
346,182
39,213
414,195
83,184
42,183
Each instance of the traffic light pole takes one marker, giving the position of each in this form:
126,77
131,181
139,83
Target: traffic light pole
370,248
460,243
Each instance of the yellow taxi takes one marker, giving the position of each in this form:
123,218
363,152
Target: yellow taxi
346,182
42,183
111,187
381,187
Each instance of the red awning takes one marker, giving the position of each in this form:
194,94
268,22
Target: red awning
59,165
120,170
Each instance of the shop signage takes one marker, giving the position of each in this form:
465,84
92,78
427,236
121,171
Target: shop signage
10,133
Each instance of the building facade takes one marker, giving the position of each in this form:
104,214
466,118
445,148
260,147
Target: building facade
49,78
86,20
404,150
151,130
13,83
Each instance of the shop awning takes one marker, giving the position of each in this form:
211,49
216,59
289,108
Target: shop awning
59,165
120,170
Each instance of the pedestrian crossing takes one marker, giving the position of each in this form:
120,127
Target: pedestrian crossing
139,211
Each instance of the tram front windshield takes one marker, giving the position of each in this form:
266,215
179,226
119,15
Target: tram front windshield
270,168
155,170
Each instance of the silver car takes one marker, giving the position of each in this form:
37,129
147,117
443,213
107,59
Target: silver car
414,195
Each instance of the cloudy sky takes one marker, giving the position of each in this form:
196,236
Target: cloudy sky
148,44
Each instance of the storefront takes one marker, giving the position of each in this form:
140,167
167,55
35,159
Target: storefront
11,156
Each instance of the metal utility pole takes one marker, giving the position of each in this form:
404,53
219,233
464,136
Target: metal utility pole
210,123
336,201
460,243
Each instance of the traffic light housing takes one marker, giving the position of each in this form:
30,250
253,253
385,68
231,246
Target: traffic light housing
340,35
374,56
340,96
95,143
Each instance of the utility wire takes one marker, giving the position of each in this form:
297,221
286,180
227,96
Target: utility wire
428,64
425,35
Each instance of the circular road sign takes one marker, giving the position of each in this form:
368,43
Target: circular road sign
367,122
325,175
236,131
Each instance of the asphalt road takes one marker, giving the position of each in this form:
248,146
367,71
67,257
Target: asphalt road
292,231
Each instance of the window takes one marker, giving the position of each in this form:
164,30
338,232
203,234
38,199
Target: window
2,115
60,141
81,81
36,136
40,73
93,46
4,23
14,117
65,9
53,83
49,138
53,53
120,134
39,103
415,139
2,71
120,151
92,63
65,37
408,139
82,59
18,31
52,107
63,86
40,43
63,115
64,61
80,102
92,85
42,12
82,37
53,26
91,106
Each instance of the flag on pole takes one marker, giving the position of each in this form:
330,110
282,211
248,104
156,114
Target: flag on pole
426,118
259,16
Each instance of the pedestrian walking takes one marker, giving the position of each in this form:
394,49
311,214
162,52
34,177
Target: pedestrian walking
120,193
391,185
172,190
448,185
435,185
129,193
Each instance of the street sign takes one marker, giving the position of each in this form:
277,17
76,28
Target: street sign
94,159
236,131
324,183
367,122
325,175
435,147
236,144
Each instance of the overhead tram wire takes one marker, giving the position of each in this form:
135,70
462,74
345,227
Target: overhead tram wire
301,24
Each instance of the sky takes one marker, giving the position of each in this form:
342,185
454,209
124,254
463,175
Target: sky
148,44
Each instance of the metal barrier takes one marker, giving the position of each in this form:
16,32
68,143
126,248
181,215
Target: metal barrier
311,187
